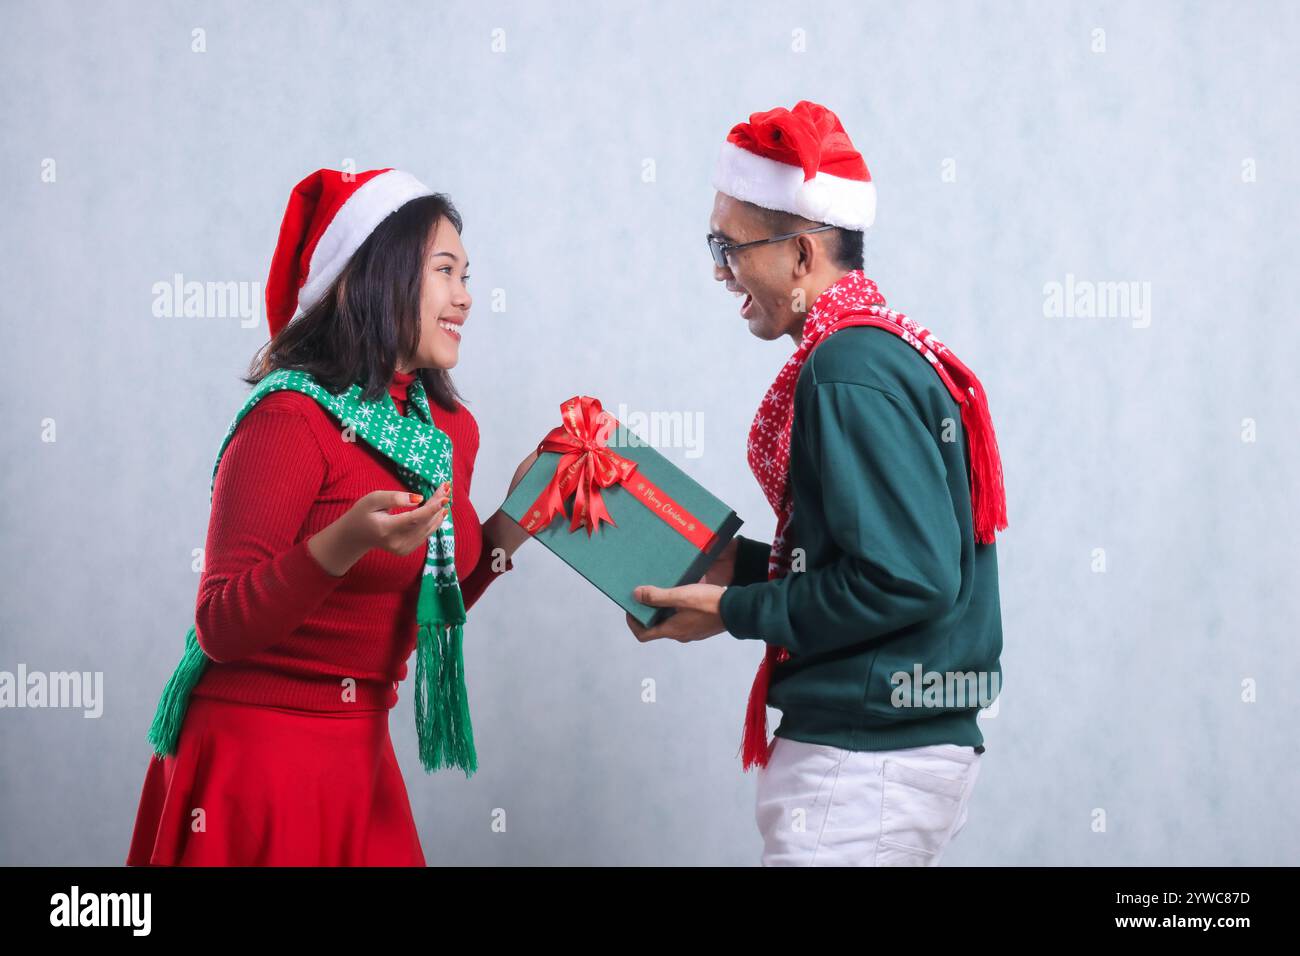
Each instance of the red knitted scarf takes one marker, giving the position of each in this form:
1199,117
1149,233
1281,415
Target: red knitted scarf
855,300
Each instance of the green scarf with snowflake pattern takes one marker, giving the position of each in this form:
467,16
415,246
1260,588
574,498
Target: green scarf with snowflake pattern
422,453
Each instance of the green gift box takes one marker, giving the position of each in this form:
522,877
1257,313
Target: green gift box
666,528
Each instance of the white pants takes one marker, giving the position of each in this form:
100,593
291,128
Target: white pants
823,806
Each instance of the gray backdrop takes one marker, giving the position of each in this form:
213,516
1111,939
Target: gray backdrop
1147,584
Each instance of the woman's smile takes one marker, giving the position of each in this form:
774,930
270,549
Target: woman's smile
451,326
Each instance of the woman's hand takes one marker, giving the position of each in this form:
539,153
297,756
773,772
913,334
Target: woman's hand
521,471
370,524
501,532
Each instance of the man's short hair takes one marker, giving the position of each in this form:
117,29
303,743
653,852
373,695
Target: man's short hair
847,250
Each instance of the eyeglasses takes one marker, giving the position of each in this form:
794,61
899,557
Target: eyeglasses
720,249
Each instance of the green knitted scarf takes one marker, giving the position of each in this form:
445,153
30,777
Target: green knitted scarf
422,453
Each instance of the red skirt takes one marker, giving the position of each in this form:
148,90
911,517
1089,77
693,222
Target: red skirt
266,786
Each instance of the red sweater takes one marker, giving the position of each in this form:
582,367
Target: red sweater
279,629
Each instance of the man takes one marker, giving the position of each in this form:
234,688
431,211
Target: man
878,599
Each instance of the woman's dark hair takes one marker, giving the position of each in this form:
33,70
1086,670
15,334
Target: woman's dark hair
369,318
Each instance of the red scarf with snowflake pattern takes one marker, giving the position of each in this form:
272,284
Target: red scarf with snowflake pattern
855,300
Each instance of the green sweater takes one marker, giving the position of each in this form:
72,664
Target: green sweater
896,602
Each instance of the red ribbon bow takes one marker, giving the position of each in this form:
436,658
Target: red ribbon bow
587,464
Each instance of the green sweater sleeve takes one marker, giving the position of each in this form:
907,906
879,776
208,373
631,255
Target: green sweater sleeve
885,518
751,560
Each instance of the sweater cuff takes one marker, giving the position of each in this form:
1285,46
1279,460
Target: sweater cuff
304,574
751,560
738,609
477,581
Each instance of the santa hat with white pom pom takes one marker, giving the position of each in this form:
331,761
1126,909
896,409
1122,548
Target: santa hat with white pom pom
330,214
798,161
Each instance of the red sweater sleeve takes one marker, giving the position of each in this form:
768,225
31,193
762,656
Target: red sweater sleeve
462,428
259,582
475,583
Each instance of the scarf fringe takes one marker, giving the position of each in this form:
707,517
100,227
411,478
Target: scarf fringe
754,746
988,493
165,730
441,701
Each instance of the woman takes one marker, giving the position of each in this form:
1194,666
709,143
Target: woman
323,569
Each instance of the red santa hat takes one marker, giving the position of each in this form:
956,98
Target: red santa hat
330,214
798,161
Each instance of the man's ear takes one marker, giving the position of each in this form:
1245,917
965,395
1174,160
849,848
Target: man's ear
807,256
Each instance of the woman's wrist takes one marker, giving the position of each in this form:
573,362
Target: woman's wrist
502,532
335,548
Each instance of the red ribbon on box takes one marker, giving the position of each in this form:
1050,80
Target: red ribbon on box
587,465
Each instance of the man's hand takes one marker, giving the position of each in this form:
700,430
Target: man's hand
697,614
723,568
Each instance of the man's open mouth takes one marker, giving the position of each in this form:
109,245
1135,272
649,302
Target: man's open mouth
747,302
